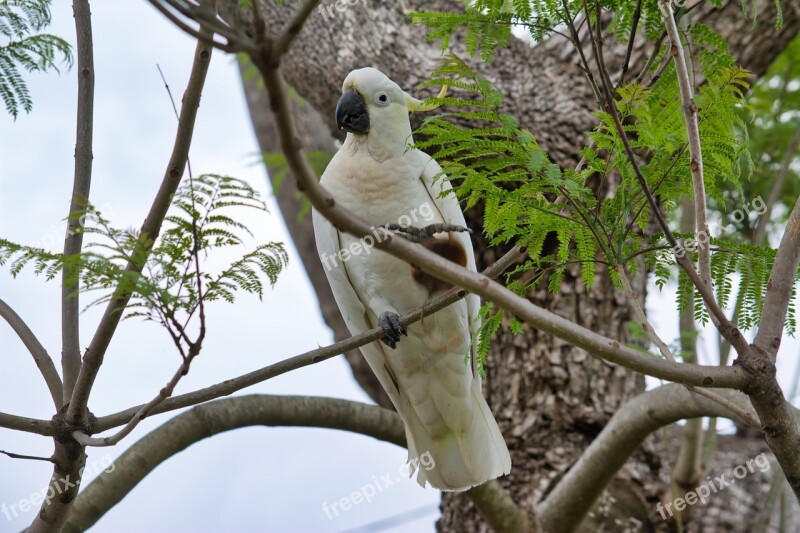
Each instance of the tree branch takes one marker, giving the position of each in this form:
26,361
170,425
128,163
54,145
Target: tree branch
760,234
781,430
567,505
537,317
40,356
85,440
779,287
500,511
232,413
73,242
308,358
28,425
68,458
726,328
148,234
693,136
292,30
28,457
235,42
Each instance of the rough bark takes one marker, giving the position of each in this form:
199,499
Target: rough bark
550,398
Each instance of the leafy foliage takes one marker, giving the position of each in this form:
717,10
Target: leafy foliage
20,22
175,278
570,230
487,24
773,123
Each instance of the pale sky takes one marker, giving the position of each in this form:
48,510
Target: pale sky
252,480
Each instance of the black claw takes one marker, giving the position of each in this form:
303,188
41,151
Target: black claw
390,322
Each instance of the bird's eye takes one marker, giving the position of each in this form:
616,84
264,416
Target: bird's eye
382,99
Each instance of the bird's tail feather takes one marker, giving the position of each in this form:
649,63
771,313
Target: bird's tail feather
457,461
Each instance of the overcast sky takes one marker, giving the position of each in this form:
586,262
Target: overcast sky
252,480
258,479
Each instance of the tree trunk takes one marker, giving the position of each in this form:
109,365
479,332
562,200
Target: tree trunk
550,398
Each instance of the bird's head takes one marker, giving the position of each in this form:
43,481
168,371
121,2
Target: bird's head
371,102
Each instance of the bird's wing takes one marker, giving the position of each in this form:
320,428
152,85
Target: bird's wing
350,304
451,213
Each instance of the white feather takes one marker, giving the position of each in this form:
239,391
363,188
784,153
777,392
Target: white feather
426,377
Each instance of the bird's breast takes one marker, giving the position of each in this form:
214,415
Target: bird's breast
388,192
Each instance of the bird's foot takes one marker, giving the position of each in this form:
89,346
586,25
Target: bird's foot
415,234
390,322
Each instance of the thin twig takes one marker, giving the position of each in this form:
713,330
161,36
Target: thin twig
728,330
40,356
546,321
85,440
205,16
576,42
760,234
309,358
149,231
637,13
30,457
695,152
667,353
292,29
743,415
639,313
652,58
197,34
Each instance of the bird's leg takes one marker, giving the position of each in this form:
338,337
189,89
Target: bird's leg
390,322
415,234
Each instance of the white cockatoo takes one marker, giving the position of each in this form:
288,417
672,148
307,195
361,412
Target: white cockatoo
380,177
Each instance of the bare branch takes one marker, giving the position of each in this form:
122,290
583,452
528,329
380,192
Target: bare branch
693,135
29,425
233,45
781,430
637,13
149,231
314,356
219,416
726,328
779,287
85,440
738,412
28,457
760,234
689,465
40,356
567,505
73,242
743,415
69,458
290,32
639,313
232,413
544,320
499,510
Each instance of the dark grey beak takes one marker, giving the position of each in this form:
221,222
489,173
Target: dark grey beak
351,113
